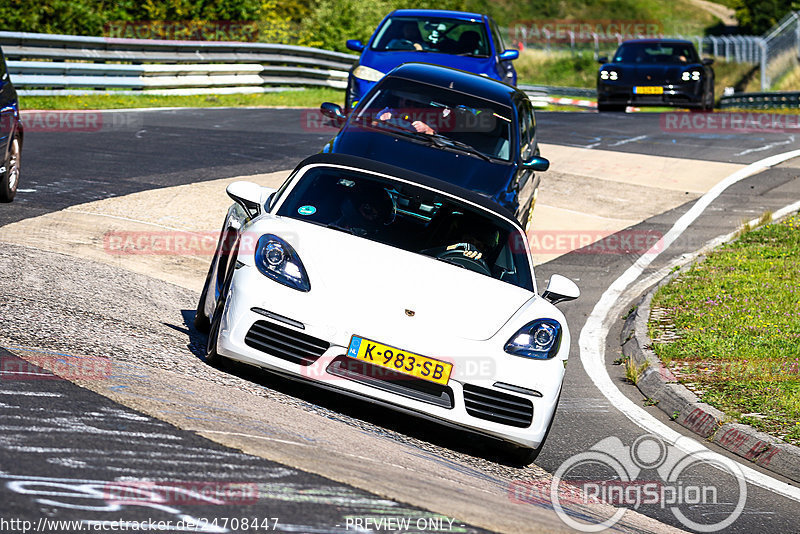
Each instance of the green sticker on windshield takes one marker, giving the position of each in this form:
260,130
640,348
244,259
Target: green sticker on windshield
306,210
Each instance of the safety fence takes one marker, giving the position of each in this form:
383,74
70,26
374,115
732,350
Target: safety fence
58,64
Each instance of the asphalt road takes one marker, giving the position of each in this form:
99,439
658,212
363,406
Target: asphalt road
146,150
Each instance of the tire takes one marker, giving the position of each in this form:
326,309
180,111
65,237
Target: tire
10,178
201,321
602,108
213,358
710,103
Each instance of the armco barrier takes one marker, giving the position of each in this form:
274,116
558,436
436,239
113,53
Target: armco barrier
775,100
44,62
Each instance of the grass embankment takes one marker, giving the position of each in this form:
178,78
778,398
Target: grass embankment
737,319
306,98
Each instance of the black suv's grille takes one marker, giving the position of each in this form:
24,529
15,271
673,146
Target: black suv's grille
499,407
285,343
388,380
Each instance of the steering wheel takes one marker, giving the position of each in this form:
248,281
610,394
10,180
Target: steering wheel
457,257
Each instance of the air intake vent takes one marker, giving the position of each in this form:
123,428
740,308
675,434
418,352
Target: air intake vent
285,343
496,406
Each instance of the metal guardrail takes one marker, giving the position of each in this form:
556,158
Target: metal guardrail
67,64
545,90
776,100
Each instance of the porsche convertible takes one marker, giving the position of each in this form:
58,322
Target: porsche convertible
393,287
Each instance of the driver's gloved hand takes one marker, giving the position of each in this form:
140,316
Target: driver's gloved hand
468,249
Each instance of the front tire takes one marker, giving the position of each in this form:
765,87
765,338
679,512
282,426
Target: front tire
212,356
602,108
10,178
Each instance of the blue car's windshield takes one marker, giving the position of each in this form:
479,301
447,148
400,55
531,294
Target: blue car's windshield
650,53
417,108
427,34
411,218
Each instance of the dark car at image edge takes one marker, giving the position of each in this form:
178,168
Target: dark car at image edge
10,135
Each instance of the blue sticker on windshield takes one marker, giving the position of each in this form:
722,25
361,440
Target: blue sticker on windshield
306,210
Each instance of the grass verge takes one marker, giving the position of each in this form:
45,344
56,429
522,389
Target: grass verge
306,98
737,319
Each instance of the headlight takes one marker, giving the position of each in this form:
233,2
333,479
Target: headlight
540,340
367,73
691,75
276,259
609,75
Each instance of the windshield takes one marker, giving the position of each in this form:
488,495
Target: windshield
649,53
470,122
426,34
411,218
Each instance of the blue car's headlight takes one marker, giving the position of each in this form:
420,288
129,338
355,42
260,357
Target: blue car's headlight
540,339
277,259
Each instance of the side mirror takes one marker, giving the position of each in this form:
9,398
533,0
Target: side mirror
708,61
333,111
561,289
248,195
602,59
537,163
355,45
509,55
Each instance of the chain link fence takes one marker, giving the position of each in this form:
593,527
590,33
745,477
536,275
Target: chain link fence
777,52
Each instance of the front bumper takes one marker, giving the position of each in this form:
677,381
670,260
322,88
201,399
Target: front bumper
472,399
674,95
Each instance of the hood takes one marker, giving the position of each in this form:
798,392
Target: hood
370,286
659,74
386,61
489,178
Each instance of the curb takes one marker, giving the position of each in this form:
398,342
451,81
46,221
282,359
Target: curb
685,408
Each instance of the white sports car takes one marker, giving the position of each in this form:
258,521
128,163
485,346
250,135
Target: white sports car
393,287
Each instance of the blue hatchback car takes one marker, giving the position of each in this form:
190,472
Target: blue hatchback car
468,130
466,41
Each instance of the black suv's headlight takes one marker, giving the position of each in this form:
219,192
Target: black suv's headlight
276,259
691,75
540,340
609,75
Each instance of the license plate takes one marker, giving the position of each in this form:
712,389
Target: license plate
648,90
400,361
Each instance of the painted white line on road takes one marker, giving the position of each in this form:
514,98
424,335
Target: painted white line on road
631,140
593,336
766,147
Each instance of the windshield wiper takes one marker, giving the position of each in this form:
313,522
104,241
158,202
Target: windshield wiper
444,141
334,226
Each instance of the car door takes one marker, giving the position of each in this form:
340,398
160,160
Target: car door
527,180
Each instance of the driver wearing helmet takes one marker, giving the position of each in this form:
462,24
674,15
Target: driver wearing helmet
367,211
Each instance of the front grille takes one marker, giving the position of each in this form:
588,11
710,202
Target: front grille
285,343
496,406
391,381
